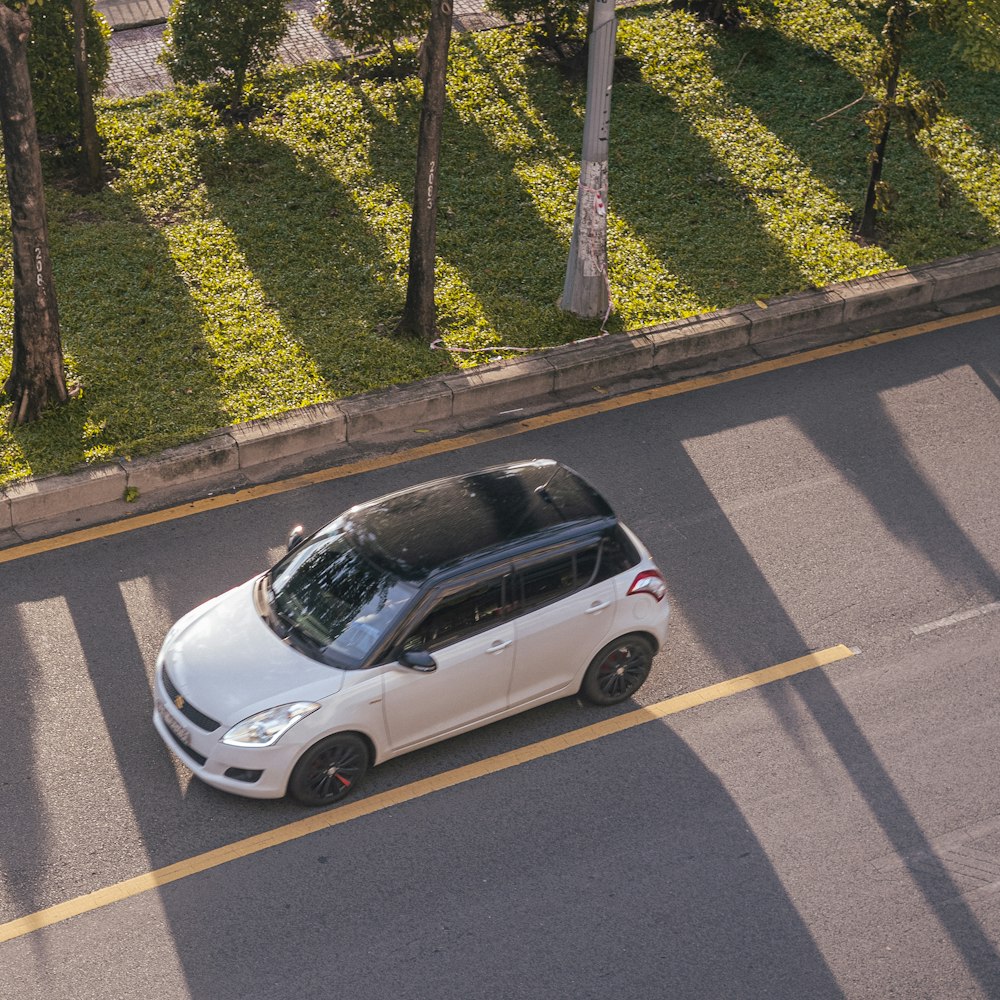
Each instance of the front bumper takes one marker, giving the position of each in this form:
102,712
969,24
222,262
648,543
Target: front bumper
208,758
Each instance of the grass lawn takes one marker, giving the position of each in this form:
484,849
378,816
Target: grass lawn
234,272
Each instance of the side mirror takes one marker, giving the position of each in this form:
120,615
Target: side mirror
295,536
419,660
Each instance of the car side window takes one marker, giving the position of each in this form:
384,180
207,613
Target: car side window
547,582
459,616
586,564
556,578
617,556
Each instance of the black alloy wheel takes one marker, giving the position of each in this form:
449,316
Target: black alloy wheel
330,770
618,670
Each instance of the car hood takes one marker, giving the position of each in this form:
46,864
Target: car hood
228,663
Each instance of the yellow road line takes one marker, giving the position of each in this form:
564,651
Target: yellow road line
407,793
432,448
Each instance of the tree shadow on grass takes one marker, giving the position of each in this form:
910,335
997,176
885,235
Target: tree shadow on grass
668,186
973,95
323,266
490,232
132,338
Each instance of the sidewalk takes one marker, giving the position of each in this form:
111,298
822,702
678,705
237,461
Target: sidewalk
138,38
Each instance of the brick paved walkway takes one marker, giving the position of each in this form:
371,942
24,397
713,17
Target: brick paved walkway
138,39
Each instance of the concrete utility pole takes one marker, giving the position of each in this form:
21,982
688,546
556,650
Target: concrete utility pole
586,291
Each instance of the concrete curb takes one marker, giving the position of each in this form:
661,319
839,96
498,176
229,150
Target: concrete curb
493,393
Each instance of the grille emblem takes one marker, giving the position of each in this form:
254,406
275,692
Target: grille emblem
179,702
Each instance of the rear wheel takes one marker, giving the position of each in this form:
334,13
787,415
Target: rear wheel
330,770
618,670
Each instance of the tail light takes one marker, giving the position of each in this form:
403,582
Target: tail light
650,582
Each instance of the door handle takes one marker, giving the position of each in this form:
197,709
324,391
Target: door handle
594,608
499,646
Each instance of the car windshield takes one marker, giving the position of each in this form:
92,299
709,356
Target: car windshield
329,599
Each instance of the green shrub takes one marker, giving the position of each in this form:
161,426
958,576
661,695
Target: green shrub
559,22
371,24
223,42
50,60
725,13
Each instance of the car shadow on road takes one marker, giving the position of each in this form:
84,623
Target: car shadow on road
417,875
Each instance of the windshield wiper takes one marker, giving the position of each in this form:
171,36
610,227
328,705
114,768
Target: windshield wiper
283,620
296,636
286,627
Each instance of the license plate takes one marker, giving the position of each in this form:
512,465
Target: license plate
172,724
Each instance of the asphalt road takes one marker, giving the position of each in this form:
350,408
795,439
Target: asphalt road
834,834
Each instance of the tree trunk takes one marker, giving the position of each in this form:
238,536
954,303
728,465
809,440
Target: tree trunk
239,80
897,24
37,377
419,315
867,228
93,169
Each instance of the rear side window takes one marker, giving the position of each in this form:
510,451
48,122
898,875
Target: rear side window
556,578
545,582
459,616
618,554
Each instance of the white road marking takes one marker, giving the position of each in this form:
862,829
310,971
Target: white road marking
959,616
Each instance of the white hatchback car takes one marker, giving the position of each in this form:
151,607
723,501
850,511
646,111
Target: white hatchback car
411,618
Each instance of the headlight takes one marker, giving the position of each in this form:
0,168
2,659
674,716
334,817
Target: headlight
265,728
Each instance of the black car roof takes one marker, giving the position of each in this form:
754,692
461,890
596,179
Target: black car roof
441,523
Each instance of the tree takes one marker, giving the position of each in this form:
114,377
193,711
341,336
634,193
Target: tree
560,23
368,24
92,173
419,315
976,27
52,62
885,79
37,376
223,41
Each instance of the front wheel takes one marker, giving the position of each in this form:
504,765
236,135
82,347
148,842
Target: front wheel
618,670
330,770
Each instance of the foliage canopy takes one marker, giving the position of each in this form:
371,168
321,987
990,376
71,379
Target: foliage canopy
557,22
371,24
223,41
50,61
